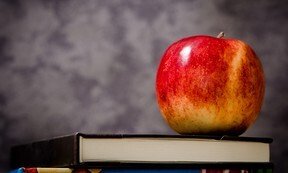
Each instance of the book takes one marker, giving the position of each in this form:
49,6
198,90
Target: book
54,170
114,170
124,150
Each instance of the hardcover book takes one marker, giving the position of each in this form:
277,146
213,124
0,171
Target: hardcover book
124,150
87,170
54,170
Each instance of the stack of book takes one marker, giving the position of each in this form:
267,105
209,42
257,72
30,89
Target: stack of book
143,153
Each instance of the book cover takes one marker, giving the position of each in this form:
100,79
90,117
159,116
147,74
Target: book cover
54,170
115,170
123,150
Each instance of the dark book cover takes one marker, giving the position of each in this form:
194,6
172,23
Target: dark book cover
60,151
64,151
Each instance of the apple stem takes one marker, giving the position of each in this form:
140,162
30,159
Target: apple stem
220,35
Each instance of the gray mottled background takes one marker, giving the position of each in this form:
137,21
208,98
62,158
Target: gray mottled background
89,66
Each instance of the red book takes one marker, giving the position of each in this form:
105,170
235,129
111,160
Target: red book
135,170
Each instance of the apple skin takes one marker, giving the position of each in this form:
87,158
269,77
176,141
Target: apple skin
210,86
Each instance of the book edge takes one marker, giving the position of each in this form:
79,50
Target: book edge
218,138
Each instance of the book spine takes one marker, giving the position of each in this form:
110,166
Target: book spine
55,170
58,152
93,170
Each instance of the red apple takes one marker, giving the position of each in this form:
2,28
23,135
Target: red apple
210,86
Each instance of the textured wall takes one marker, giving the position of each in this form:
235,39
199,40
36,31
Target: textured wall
89,66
